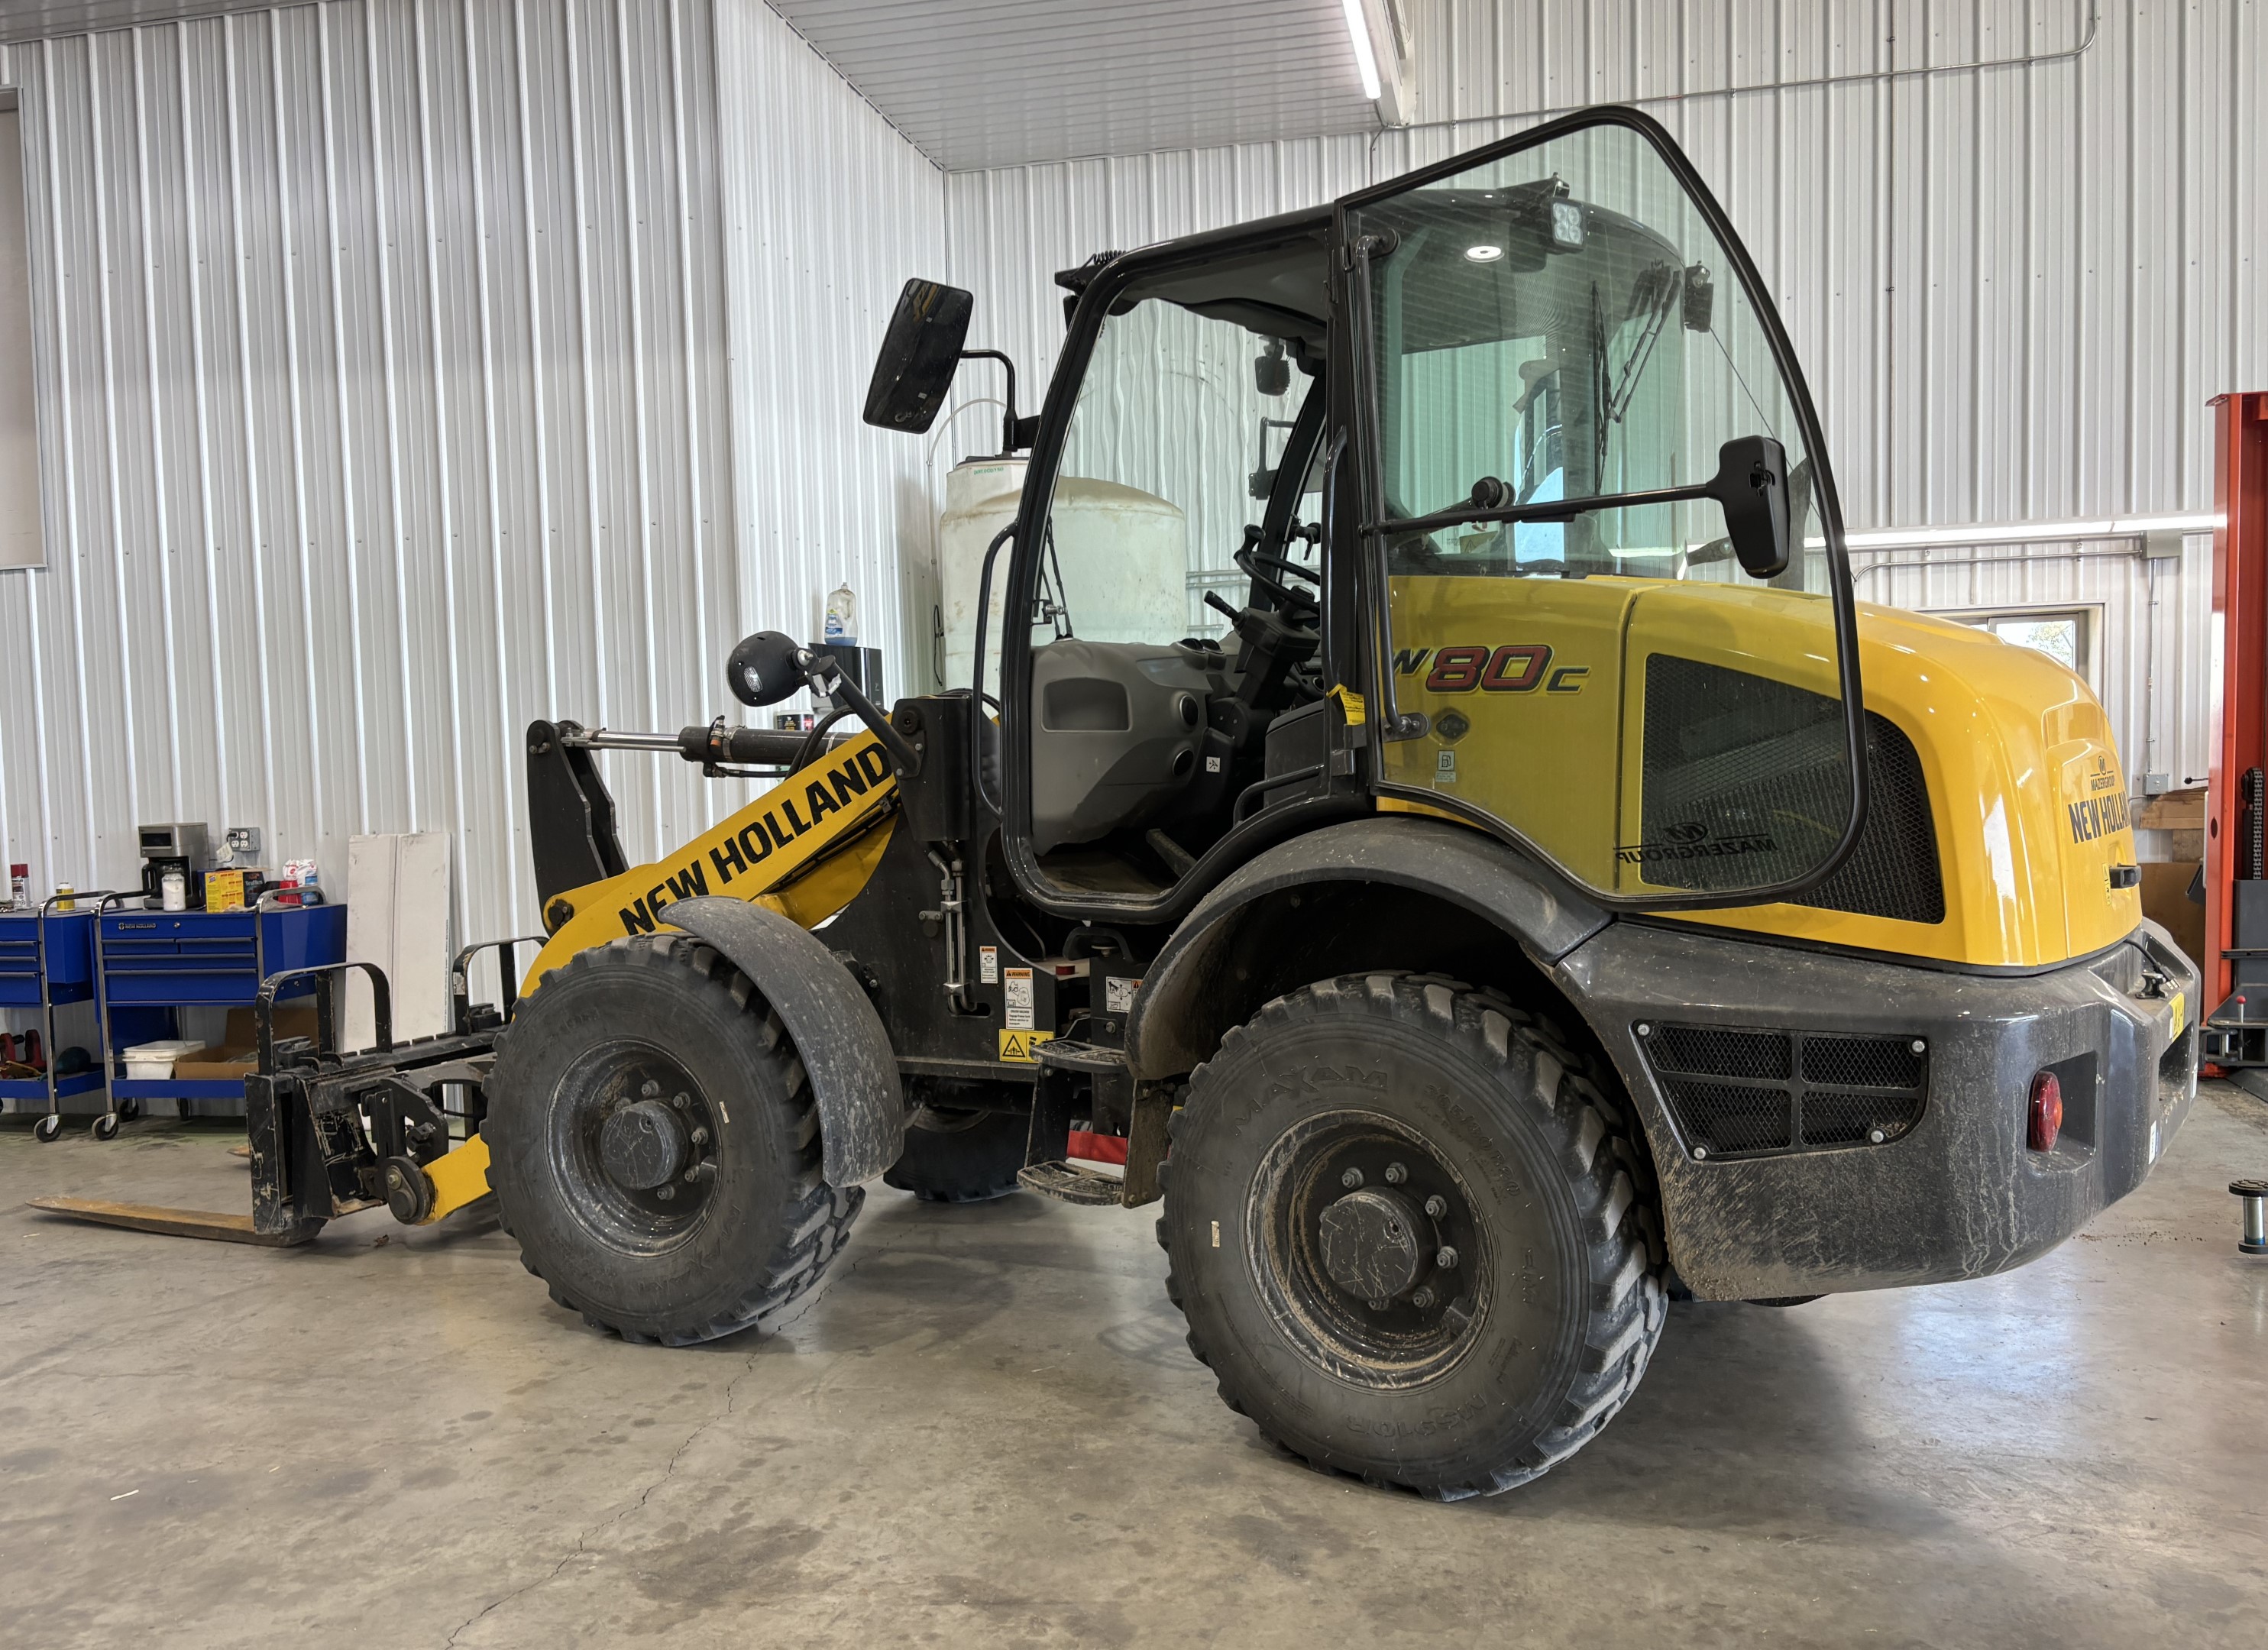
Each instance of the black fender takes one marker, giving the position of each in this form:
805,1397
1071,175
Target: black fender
1169,1032
838,1036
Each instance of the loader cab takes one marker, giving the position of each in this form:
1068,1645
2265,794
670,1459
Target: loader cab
1493,492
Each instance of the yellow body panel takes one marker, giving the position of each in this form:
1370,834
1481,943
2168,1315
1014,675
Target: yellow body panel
805,848
459,1176
1535,718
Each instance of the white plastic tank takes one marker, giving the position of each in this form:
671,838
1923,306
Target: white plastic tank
1124,555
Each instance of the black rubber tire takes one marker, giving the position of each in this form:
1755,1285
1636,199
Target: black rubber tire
48,1129
1540,1138
956,1153
769,1223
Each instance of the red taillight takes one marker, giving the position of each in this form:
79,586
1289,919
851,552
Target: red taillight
2047,1111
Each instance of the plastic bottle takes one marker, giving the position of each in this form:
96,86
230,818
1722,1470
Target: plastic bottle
19,888
841,625
64,899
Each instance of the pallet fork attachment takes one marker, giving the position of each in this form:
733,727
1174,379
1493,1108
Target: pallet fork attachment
332,1133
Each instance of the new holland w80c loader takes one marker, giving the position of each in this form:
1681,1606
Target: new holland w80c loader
1544,890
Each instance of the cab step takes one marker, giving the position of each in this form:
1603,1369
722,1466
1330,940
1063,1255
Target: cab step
1089,1059
1066,1183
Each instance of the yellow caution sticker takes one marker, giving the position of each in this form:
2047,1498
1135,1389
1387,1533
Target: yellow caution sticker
2178,1018
1018,1045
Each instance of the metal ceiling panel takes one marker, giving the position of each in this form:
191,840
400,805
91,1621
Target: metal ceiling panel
994,83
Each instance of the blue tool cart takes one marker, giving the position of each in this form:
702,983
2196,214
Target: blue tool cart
47,958
168,960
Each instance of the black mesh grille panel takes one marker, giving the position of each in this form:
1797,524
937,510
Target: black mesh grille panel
1713,1051
1862,1062
1741,1091
1831,1118
1727,1117
1746,784
1893,872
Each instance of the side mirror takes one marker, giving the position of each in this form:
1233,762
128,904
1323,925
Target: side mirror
1751,489
919,353
763,669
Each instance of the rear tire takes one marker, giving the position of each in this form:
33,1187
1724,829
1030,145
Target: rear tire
1502,1290
956,1153
715,1214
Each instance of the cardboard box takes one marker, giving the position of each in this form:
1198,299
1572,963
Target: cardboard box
2166,900
224,890
236,1057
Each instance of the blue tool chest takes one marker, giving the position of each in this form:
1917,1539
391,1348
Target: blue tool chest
199,958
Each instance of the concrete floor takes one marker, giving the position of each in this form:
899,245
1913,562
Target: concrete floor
986,1430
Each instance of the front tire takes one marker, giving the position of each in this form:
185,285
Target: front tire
1404,1222
654,1146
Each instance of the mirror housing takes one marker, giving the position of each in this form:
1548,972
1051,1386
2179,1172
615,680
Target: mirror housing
1751,488
919,352
764,668
1272,372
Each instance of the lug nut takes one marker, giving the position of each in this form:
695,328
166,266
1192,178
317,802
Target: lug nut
700,1172
1396,1174
701,1137
394,1180
650,1089
1422,1299
665,1192
1437,1205
1446,1259
1352,1179
1378,1305
679,1100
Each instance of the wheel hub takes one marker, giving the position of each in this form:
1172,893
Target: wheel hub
642,1146
1372,1243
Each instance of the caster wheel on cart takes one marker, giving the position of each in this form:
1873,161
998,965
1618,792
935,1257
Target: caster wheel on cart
106,1126
128,1110
48,1128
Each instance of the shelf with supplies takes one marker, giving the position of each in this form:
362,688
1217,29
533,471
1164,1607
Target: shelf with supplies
58,949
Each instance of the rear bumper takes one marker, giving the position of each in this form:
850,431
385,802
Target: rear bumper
1952,1192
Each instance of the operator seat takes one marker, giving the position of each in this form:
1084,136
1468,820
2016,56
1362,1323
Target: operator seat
1116,731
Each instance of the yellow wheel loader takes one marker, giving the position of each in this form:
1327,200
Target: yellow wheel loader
1510,883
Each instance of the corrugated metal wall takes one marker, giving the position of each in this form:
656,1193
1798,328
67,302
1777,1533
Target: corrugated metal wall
2013,289
387,404
828,211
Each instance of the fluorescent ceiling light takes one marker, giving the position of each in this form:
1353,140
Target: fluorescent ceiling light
1365,59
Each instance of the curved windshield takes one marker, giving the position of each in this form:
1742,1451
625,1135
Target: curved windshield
1563,369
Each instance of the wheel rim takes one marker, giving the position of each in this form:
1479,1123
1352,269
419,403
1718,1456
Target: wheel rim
634,1141
1348,1201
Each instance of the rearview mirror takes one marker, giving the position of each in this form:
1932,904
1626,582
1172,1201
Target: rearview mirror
1751,488
919,353
763,669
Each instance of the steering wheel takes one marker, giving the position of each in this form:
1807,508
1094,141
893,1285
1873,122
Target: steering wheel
1250,561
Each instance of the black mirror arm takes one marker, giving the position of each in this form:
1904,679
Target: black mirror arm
826,676
1011,427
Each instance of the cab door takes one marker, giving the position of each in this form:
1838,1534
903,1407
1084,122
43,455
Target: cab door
1605,609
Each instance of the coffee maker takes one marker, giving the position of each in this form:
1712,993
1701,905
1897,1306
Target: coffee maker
182,847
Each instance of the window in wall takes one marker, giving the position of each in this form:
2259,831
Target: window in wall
2065,635
21,543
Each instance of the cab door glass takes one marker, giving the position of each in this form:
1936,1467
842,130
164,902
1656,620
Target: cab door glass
1560,330
1180,424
